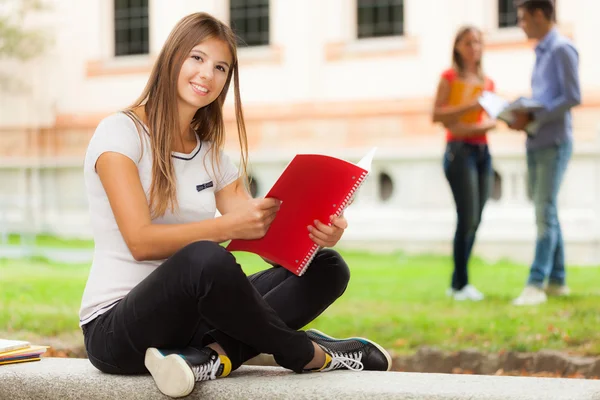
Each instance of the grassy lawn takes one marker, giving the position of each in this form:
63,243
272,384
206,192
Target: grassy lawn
396,300
53,241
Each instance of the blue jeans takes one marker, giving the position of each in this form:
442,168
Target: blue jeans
468,169
546,168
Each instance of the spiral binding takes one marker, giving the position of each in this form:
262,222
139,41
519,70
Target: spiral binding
313,251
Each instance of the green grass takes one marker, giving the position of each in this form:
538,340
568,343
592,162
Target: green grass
52,241
396,300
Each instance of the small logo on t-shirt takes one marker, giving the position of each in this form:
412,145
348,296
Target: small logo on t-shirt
207,185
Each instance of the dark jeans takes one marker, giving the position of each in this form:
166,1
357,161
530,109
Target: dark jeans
468,169
200,295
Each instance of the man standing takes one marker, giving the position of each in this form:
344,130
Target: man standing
555,84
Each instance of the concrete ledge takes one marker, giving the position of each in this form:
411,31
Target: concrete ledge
70,379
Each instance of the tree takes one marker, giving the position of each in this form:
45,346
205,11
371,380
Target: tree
18,42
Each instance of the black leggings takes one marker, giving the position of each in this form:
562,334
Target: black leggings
200,295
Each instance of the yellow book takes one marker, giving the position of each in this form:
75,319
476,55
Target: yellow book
19,361
462,92
37,350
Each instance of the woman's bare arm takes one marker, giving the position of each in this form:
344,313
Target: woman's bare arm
148,241
449,115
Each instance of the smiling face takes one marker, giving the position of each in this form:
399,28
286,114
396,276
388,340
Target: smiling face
203,74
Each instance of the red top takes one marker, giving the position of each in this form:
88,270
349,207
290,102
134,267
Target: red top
461,92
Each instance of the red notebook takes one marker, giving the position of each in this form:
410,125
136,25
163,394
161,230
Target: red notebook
311,187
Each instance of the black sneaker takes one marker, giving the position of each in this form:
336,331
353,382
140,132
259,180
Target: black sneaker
177,371
355,353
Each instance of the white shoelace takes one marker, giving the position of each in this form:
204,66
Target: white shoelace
208,371
349,360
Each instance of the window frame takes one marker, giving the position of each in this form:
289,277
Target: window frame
501,19
242,37
143,44
375,35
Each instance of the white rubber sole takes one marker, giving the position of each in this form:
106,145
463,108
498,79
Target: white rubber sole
385,353
172,374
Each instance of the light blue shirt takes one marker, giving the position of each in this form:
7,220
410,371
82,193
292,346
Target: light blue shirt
555,84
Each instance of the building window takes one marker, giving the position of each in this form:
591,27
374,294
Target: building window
376,18
131,27
496,193
507,14
386,187
249,19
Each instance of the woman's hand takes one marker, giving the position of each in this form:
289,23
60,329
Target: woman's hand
325,235
450,115
474,105
489,124
253,218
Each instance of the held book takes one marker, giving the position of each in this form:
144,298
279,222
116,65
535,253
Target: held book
462,92
499,108
312,187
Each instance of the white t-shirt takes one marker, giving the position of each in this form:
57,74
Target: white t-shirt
114,271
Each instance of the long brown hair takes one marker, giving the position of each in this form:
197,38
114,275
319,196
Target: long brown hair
457,61
159,99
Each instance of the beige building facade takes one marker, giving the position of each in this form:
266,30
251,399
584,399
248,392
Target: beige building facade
328,76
